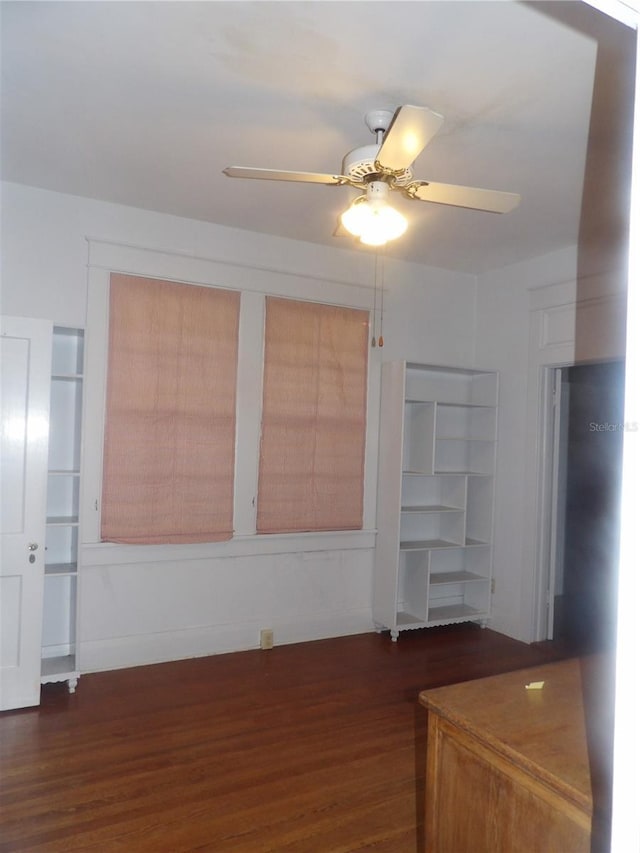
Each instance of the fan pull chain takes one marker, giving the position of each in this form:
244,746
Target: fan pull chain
381,339
378,281
375,301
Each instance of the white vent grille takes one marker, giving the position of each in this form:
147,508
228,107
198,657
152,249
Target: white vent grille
360,164
360,169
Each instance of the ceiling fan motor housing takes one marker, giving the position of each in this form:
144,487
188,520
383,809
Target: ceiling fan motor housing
360,164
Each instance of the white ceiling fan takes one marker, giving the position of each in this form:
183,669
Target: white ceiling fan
385,166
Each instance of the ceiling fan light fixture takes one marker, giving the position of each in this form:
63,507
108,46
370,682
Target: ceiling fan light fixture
372,219
385,224
355,216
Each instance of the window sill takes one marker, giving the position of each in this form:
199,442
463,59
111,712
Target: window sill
109,553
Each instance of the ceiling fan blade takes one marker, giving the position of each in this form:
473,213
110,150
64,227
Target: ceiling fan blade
411,129
492,201
275,175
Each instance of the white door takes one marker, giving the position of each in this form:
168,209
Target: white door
25,367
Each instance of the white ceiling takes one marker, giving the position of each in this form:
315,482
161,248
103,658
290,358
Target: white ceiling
144,104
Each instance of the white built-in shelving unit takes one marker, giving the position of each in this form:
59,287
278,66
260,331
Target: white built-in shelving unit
63,501
435,496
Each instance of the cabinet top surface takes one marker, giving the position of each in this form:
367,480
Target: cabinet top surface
542,731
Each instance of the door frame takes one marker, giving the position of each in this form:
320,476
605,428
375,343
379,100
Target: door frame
547,533
550,415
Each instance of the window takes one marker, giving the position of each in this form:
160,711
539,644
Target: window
170,412
314,416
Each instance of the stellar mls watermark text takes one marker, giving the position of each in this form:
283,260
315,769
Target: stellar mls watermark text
629,426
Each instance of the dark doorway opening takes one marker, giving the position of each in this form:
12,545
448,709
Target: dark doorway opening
591,400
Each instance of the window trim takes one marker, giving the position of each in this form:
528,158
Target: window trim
107,257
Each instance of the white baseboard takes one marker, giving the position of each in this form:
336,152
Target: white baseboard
144,649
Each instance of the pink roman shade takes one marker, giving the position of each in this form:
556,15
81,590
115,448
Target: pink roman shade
314,417
170,412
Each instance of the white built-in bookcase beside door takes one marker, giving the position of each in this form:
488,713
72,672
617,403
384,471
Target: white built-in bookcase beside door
435,496
63,504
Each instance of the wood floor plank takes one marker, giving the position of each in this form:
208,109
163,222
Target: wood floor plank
316,747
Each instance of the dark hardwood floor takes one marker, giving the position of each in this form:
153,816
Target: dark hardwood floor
316,747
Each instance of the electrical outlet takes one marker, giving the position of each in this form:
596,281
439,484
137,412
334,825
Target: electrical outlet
266,638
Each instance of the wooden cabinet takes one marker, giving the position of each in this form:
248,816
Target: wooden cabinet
435,496
508,768
63,498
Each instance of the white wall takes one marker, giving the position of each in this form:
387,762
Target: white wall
165,603
531,316
503,343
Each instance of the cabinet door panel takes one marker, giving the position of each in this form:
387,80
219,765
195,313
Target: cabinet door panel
478,803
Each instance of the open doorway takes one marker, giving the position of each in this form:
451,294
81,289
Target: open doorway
588,406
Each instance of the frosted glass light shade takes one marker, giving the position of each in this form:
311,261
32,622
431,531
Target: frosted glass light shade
374,222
